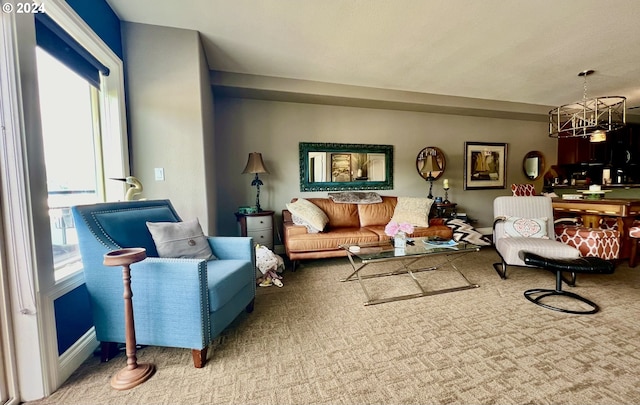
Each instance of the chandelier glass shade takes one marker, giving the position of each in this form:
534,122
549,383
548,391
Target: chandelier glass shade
588,116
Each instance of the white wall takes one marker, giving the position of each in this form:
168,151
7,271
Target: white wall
170,120
275,128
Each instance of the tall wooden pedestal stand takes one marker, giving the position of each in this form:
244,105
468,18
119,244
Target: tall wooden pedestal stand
133,374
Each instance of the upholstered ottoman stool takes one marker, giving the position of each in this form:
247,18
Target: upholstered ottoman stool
592,265
592,242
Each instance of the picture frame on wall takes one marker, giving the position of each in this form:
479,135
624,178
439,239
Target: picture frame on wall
485,165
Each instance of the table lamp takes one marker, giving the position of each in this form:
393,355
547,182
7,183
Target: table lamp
255,165
430,166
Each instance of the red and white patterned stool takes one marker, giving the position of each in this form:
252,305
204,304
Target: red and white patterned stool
523,190
634,234
591,242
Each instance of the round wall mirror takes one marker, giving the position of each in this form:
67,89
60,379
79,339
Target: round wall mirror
433,157
533,165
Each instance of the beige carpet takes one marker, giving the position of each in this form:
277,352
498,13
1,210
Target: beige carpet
313,342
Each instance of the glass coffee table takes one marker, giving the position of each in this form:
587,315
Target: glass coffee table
363,254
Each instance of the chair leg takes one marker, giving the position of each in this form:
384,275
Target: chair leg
108,350
633,259
249,308
501,269
199,357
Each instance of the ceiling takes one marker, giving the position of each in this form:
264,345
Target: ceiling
507,50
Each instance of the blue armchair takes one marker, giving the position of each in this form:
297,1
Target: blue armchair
177,302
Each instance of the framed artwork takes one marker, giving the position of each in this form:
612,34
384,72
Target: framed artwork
341,167
485,165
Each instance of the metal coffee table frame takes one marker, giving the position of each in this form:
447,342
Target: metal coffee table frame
379,252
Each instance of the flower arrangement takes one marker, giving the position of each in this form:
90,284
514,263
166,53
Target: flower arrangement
393,228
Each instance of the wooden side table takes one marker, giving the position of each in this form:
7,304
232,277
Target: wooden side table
134,373
258,225
446,210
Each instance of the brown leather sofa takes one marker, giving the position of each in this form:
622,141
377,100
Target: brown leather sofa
348,223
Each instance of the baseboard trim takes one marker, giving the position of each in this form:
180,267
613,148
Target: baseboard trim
71,359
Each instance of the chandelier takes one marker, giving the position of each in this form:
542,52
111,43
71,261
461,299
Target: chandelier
592,117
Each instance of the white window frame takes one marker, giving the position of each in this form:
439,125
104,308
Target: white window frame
114,143
36,351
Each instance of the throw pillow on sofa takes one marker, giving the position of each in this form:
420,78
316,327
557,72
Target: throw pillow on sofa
301,221
464,232
309,213
412,210
180,239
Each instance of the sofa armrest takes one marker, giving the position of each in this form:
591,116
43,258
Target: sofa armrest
289,227
292,229
437,221
286,216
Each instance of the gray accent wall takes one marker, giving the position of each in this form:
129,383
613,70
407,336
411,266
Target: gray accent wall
275,128
170,114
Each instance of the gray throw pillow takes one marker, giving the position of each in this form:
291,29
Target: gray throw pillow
180,240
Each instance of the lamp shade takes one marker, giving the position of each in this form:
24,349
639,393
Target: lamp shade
255,164
430,165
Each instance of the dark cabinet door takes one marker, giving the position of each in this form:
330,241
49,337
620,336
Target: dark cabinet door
573,150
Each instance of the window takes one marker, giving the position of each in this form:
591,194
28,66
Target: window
69,108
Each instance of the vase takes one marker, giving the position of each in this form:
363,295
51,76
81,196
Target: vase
359,173
400,240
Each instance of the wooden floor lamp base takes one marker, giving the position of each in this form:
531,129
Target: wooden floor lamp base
126,378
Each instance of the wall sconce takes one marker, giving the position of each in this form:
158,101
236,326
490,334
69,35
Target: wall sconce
255,165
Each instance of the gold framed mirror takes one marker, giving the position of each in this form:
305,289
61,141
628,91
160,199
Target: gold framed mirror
533,165
436,156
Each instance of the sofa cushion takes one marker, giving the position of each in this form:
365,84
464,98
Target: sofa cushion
510,248
340,215
309,213
180,239
435,229
414,210
377,214
329,240
225,278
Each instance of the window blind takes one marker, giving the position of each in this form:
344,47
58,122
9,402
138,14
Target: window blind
57,42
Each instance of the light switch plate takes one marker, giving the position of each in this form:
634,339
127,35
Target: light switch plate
159,173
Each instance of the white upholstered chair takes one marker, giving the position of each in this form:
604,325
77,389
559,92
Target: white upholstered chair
510,235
